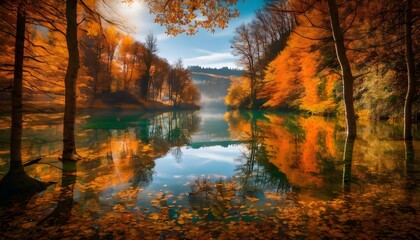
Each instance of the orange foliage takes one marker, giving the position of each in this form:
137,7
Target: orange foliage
293,78
281,81
187,16
304,75
286,152
300,159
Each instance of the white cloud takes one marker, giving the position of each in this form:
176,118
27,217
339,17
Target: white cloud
212,59
200,50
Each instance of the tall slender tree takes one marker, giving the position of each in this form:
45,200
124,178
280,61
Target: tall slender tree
16,181
148,59
17,105
69,142
243,45
411,83
347,75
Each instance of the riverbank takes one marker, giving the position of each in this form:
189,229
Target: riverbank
126,101
103,103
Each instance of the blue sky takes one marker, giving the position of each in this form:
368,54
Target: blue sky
205,49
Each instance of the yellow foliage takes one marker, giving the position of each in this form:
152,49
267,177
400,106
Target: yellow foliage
238,92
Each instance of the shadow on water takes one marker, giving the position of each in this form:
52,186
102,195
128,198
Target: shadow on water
17,189
17,184
62,212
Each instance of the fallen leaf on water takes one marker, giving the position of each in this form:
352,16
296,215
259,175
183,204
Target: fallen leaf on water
252,199
154,216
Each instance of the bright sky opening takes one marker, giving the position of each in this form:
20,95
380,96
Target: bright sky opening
205,49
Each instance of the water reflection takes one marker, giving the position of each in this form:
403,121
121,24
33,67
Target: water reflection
60,216
347,159
313,154
184,167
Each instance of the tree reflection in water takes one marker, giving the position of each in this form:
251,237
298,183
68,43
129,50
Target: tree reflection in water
347,159
283,175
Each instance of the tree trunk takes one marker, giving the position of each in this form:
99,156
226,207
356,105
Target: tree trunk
126,85
409,159
347,159
16,183
144,86
252,96
410,72
62,213
69,143
97,68
17,105
347,77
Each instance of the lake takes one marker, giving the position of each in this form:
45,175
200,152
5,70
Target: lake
214,173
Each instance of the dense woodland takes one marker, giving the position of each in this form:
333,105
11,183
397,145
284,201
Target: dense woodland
112,64
294,58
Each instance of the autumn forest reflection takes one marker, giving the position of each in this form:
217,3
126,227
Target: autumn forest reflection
207,167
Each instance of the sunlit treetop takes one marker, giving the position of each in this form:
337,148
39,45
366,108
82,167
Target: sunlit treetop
189,15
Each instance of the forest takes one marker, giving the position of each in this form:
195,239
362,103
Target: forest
113,66
314,135
356,58
76,43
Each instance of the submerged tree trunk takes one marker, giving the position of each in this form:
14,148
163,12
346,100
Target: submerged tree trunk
347,75
62,213
410,72
69,143
17,105
347,159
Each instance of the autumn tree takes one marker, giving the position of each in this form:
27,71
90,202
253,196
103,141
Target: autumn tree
178,80
17,105
238,93
259,42
136,49
411,81
148,60
347,75
69,142
159,77
187,17
112,40
191,94
92,58
16,181
245,46
126,56
24,62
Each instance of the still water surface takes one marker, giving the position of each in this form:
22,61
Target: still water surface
213,166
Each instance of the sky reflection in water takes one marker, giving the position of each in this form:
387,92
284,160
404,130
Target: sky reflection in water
226,165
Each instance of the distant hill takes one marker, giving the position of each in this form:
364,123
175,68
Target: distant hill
224,71
213,83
